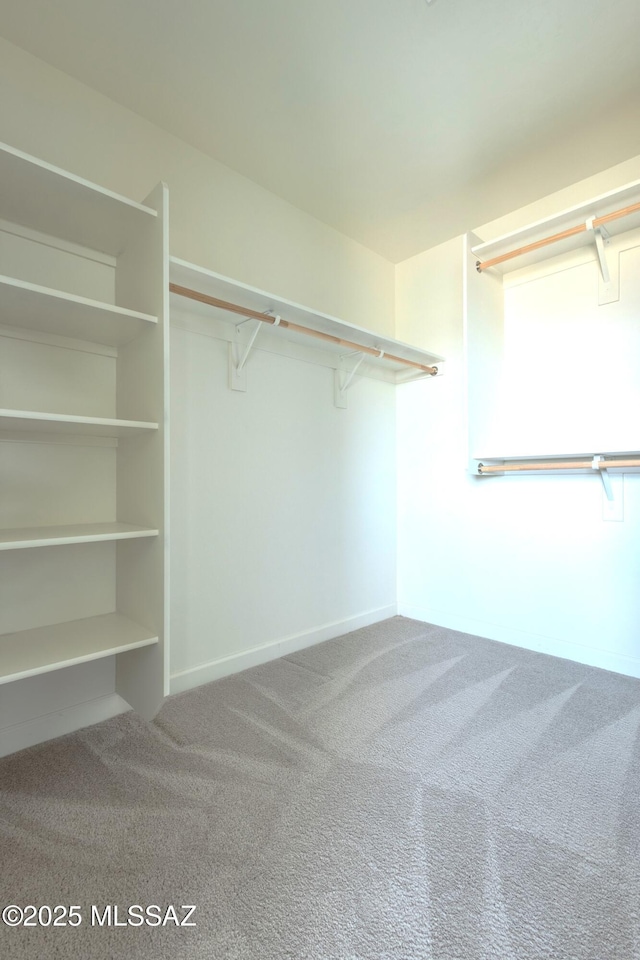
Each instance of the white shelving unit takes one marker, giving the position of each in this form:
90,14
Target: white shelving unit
589,237
83,428
286,341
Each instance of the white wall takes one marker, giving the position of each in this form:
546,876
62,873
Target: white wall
572,367
283,506
576,193
527,560
218,219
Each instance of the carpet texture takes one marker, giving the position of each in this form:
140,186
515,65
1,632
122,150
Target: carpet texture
402,792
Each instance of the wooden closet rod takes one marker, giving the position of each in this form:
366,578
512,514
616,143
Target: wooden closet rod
571,232
254,315
557,465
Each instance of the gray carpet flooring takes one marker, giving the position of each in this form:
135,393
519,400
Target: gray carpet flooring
404,791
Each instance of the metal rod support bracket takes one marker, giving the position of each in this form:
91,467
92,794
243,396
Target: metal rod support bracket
343,378
238,357
609,278
599,242
249,347
604,476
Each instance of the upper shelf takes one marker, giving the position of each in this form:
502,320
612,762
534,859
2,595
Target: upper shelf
45,198
566,221
53,311
212,284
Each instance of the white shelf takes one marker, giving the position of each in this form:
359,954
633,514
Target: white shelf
215,285
31,652
575,455
27,421
20,538
45,198
572,217
30,306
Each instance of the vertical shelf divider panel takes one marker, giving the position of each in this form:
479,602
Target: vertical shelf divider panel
142,281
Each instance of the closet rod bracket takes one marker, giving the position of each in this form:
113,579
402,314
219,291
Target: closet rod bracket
239,353
344,378
609,277
597,464
600,235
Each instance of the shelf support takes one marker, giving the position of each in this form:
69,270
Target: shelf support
237,363
604,476
252,340
343,379
602,257
609,279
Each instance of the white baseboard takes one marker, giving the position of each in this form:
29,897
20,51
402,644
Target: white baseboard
565,649
234,663
39,729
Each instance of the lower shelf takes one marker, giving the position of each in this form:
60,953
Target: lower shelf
31,652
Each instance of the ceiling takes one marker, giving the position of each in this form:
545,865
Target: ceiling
400,123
